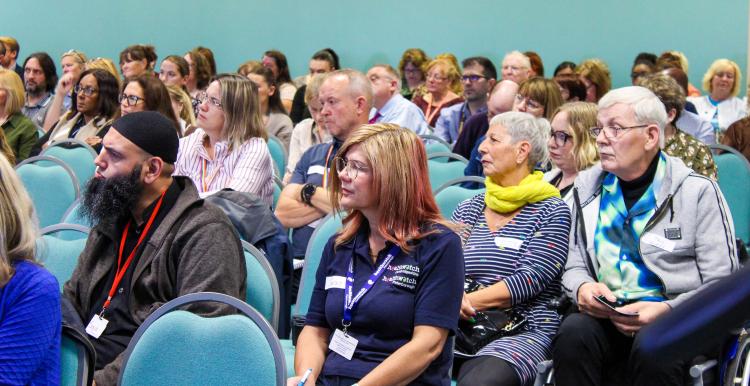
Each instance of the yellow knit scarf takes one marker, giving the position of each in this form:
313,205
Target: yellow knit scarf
530,190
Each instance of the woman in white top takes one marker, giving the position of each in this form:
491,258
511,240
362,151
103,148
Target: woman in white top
721,106
572,147
310,131
229,149
275,119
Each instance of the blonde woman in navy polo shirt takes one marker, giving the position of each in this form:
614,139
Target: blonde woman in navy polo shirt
405,266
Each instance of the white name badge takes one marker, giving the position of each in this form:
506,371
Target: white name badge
96,326
316,169
508,242
335,282
343,344
658,241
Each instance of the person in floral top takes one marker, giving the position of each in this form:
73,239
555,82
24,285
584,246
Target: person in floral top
677,143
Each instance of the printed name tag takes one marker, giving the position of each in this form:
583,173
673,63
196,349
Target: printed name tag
316,169
658,241
343,344
508,242
335,282
96,326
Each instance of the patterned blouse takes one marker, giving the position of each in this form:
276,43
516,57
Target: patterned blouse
694,153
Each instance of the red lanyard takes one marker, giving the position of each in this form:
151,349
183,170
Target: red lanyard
120,272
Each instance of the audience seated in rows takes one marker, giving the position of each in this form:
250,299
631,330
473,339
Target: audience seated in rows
157,220
401,324
388,104
229,149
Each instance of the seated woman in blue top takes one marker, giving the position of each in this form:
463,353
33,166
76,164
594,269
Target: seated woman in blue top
515,245
397,264
30,319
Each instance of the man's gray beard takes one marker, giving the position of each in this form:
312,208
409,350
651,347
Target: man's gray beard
109,200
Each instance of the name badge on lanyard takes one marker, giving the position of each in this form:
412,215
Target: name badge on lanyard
341,342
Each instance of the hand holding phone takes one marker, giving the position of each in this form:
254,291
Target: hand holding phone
613,306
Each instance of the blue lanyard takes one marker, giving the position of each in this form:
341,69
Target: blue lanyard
350,302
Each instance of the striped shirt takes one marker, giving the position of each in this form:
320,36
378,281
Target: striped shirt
528,254
246,169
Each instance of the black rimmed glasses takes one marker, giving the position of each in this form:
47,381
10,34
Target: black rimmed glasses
130,100
87,91
352,168
560,137
612,132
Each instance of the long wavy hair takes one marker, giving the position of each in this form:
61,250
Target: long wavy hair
398,163
18,229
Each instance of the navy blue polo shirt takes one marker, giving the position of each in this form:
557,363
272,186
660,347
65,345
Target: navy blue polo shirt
310,169
422,287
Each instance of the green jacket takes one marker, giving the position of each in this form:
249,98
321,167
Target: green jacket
21,134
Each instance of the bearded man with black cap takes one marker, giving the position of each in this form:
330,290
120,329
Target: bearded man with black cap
154,240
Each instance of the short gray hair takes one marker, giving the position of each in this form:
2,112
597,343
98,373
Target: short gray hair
359,85
525,59
526,127
646,105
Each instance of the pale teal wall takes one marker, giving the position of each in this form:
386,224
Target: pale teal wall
366,32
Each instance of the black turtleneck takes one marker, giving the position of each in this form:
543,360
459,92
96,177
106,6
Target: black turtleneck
633,190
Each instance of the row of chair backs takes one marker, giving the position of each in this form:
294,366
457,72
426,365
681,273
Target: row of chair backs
78,155
174,347
262,286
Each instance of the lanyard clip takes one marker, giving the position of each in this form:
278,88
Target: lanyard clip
346,325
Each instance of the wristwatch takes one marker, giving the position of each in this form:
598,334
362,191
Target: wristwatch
308,190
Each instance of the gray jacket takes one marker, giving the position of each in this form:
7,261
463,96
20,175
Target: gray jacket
693,211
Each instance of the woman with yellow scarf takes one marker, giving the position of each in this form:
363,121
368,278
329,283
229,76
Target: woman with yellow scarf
515,239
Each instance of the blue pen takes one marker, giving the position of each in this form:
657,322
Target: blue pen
304,377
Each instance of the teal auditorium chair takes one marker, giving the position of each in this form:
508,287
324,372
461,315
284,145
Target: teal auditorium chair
442,172
734,181
447,157
175,347
52,186
77,358
278,153
78,155
450,194
59,247
436,147
431,138
262,286
328,226
73,215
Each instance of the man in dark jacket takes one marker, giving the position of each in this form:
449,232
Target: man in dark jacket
154,240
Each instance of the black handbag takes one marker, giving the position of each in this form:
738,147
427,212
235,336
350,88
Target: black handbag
488,326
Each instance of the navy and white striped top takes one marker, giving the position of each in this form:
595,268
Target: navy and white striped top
528,253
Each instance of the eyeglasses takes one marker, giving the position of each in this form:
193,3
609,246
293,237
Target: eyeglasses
203,96
130,100
472,78
530,103
88,91
353,168
437,77
612,132
513,69
560,137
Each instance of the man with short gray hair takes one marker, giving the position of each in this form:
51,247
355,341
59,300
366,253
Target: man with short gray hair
650,234
389,105
516,67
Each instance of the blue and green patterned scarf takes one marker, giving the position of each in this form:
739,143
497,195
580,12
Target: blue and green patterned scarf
618,234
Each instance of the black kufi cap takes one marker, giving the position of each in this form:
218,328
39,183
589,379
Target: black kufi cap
152,132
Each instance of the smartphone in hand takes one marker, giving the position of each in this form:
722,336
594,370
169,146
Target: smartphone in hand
613,306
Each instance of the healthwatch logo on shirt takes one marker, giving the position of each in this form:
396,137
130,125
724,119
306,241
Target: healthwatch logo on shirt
403,275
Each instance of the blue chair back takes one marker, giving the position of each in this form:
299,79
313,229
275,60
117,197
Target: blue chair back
73,215
447,157
78,155
262,286
436,147
450,196
734,181
52,186
327,228
442,172
181,348
59,248
76,358
278,153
